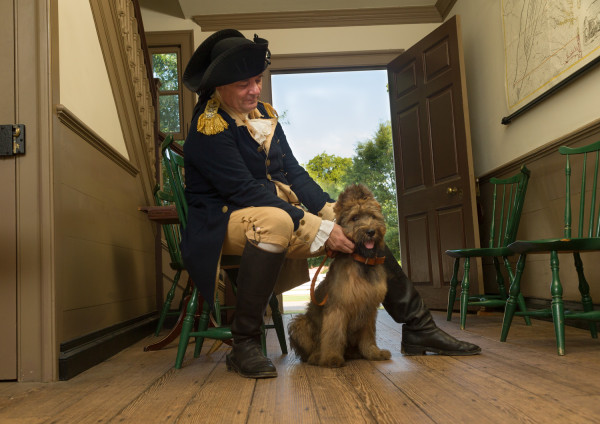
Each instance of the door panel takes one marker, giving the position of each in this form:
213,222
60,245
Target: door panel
417,247
410,153
433,162
8,240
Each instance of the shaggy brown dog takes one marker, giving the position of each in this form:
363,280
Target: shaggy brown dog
344,327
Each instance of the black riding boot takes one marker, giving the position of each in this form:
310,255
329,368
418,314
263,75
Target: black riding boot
256,278
420,334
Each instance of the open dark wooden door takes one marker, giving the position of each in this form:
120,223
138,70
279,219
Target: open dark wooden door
433,161
8,217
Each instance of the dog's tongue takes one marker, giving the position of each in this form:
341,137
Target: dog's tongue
370,244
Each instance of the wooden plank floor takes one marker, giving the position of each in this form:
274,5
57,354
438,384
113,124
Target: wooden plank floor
522,380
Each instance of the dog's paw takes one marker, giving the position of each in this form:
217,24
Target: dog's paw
376,354
332,361
384,355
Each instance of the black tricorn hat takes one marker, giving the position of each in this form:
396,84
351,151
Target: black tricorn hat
225,57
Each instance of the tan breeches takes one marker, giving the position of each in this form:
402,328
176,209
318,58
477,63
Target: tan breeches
267,225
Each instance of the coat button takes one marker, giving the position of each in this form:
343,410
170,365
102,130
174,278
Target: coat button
298,233
302,222
224,209
268,162
269,177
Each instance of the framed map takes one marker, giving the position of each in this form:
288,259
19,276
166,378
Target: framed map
547,43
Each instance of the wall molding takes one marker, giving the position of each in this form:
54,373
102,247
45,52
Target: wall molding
327,18
294,63
71,121
580,134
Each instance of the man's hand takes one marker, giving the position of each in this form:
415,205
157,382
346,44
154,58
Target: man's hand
338,241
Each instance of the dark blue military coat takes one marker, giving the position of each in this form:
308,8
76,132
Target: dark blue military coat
226,172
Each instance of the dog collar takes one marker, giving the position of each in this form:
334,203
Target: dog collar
368,261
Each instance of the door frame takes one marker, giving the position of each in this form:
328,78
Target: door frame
324,62
8,254
37,349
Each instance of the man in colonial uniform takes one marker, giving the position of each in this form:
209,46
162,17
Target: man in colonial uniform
248,196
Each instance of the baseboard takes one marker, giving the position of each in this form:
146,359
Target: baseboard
82,353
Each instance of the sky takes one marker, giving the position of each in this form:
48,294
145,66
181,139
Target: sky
330,111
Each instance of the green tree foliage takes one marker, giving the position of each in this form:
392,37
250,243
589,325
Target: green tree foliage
328,171
373,166
164,66
169,113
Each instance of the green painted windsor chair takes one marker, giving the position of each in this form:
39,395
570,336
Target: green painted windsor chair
172,236
507,203
587,239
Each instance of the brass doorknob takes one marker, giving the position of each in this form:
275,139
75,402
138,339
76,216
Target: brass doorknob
450,191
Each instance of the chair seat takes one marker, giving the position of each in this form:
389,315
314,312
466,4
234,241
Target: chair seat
556,245
483,251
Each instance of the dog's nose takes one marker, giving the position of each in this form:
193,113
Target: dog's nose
371,233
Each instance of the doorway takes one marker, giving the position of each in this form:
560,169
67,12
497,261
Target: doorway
328,113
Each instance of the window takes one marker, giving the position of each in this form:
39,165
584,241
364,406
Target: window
166,65
170,52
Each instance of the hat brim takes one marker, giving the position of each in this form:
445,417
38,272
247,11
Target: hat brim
241,62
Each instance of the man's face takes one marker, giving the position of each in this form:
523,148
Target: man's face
242,96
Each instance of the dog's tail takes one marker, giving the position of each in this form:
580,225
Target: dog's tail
302,340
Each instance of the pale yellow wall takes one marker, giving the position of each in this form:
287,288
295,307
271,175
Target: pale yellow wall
84,86
495,144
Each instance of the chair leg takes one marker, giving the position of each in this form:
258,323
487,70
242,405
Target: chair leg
464,294
511,303
203,323
584,289
500,279
520,298
186,292
558,309
167,304
523,307
188,324
278,323
452,291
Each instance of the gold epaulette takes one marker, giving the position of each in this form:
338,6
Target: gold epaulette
270,110
210,122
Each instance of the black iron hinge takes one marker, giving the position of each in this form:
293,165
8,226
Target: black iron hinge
12,139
